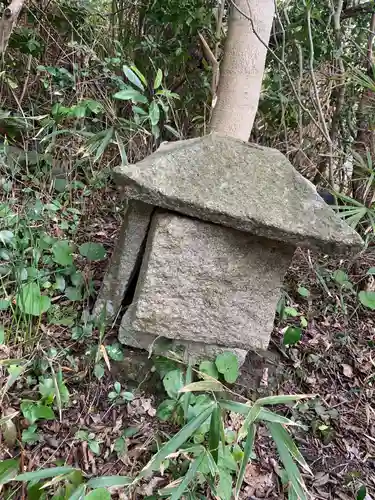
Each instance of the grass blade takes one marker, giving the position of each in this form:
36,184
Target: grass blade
189,476
44,473
188,379
178,440
214,434
204,385
291,469
246,457
108,481
282,399
292,448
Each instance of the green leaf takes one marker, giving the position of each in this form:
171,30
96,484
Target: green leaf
62,253
361,493
109,481
77,278
371,270
139,74
44,473
249,420
214,433
292,335
177,440
282,399
94,446
99,494
340,277
6,236
187,397
59,283
294,475
73,293
224,488
158,79
246,457
132,77
130,94
115,352
78,493
188,478
92,251
30,435
209,368
173,382
367,299
35,411
304,292
4,304
154,113
291,311
8,470
166,409
204,385
99,371
30,301
227,365
2,335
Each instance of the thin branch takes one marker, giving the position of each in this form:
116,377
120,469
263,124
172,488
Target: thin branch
284,66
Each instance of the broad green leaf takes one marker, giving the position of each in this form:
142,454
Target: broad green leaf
340,276
282,399
292,335
304,292
371,270
130,94
158,79
73,293
99,371
2,335
109,481
35,411
291,311
115,352
132,77
177,440
92,251
367,299
165,409
188,478
62,253
224,488
99,494
94,446
139,74
204,385
227,365
4,304
246,457
154,113
173,383
209,368
44,473
30,301
6,236
78,493
361,493
8,470
214,433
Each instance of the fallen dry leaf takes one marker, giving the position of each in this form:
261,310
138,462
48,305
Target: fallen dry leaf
347,370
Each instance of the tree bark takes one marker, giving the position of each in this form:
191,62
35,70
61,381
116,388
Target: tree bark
241,72
8,21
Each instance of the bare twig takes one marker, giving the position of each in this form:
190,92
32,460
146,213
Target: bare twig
364,8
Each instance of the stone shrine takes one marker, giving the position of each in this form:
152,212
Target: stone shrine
209,232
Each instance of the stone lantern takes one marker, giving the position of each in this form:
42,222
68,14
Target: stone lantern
209,232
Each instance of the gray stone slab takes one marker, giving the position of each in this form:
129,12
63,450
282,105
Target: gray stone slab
124,259
240,185
205,283
194,352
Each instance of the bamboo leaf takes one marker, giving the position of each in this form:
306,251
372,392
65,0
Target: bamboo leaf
282,399
246,457
189,476
204,385
44,473
178,440
214,434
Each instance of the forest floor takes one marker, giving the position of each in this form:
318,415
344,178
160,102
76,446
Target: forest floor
333,360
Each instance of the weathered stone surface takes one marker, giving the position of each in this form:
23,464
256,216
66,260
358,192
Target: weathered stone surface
240,185
194,352
205,283
124,259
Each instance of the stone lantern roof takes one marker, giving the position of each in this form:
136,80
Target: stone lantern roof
239,185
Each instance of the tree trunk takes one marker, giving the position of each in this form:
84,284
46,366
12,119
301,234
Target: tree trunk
242,69
8,21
